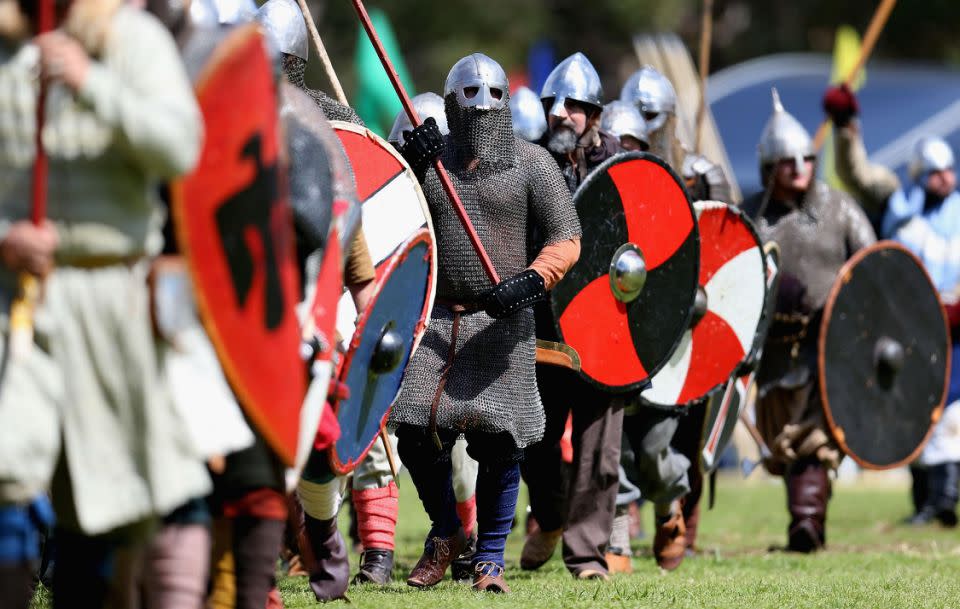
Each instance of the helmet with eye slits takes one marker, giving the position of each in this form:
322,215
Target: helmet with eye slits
479,82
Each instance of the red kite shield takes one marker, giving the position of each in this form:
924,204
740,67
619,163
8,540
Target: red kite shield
728,312
883,357
627,302
234,226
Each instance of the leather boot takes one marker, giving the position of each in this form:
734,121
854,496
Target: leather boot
324,554
437,555
461,569
539,548
376,567
488,577
808,490
669,543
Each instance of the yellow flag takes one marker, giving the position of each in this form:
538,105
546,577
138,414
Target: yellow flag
846,52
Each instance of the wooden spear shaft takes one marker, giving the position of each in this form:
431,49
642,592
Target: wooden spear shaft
415,120
706,37
877,23
322,53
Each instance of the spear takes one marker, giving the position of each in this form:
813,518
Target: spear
21,309
416,122
876,26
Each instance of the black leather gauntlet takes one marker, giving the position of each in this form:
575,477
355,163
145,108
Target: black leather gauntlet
422,145
518,292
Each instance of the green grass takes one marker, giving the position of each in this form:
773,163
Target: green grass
871,562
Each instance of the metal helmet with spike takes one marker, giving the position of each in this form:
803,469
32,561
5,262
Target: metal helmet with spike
653,95
427,105
284,27
574,78
529,121
783,138
622,118
930,154
479,82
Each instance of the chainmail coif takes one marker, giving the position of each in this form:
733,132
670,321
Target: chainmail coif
485,135
491,386
294,69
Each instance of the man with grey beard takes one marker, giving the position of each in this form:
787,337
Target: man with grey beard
573,108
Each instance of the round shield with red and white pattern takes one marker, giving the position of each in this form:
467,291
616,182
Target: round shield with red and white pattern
627,301
728,310
399,235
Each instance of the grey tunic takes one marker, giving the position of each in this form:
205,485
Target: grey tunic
491,385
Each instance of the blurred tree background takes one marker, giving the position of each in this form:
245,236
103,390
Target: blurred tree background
432,34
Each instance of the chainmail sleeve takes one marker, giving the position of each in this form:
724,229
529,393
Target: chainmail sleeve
551,205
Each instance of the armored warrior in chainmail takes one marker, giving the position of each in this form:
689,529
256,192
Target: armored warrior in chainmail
474,370
818,229
580,512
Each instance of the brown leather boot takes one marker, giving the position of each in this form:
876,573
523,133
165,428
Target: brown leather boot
808,490
436,558
539,548
488,577
670,544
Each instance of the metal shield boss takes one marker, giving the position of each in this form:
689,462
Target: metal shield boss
727,313
399,235
628,300
234,227
724,407
883,357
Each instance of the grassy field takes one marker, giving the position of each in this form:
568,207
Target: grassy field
872,562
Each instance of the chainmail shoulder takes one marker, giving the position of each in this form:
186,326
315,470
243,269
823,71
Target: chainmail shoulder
817,235
294,69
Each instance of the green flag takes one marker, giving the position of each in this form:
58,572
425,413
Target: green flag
376,101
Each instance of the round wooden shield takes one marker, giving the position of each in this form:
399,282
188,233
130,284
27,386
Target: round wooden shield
234,226
628,300
883,357
385,337
732,285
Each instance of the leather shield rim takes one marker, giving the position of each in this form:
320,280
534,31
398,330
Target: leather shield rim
838,284
695,232
423,236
